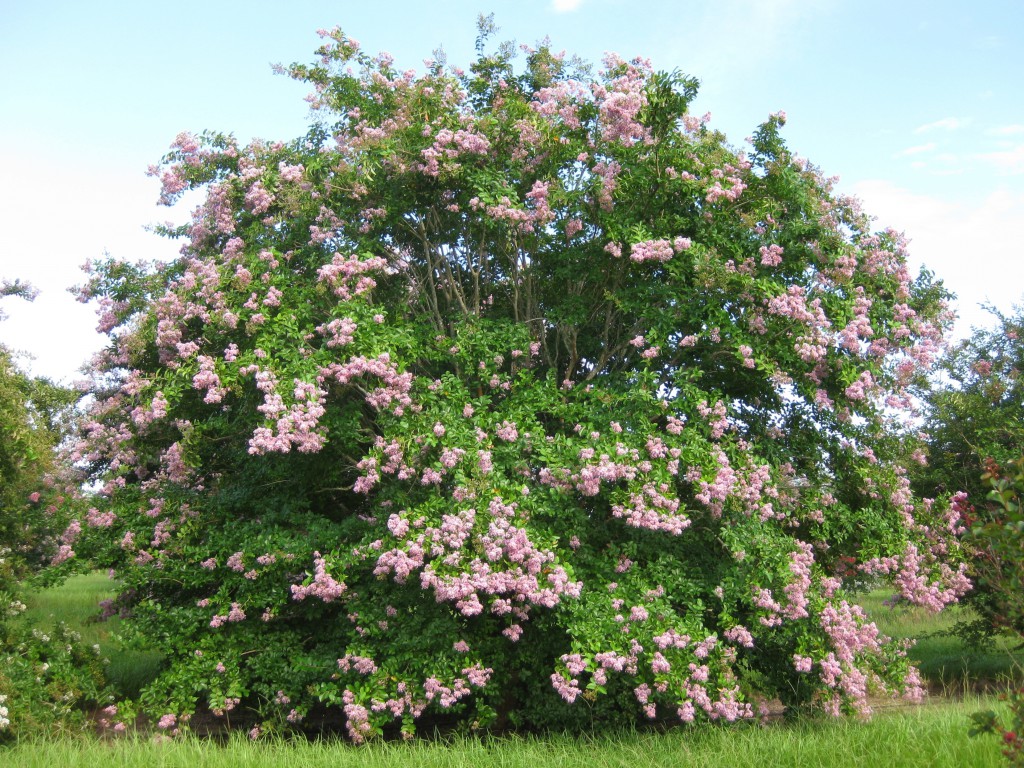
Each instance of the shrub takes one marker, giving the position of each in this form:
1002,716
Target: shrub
46,678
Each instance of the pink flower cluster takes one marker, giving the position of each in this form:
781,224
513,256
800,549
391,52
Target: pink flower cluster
322,585
920,579
620,101
350,276
339,332
396,385
297,425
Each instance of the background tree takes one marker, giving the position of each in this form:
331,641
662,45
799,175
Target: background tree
503,390
35,414
975,424
976,411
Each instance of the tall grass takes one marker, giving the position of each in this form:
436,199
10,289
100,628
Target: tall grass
932,737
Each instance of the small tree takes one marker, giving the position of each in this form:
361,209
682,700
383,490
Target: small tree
505,390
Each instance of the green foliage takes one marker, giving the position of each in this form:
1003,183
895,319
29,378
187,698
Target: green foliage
976,436
507,390
25,457
976,410
997,540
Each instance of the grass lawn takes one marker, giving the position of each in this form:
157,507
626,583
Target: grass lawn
932,735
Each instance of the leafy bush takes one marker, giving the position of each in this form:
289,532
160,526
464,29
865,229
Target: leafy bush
506,390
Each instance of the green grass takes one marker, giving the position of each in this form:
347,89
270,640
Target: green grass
76,603
931,736
946,661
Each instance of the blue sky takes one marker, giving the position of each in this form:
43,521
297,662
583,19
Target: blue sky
917,106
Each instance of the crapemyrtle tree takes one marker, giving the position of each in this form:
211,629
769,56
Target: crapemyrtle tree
511,395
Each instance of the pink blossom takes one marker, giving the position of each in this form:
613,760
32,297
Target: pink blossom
771,255
507,431
651,250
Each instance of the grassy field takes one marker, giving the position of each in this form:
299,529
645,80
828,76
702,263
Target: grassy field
932,735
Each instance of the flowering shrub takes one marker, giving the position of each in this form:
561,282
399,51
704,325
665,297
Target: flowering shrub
502,390
46,678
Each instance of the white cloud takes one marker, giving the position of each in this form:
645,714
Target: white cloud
920,148
565,6
975,248
946,124
1009,161
1006,130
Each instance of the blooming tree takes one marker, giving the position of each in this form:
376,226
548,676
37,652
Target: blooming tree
510,393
